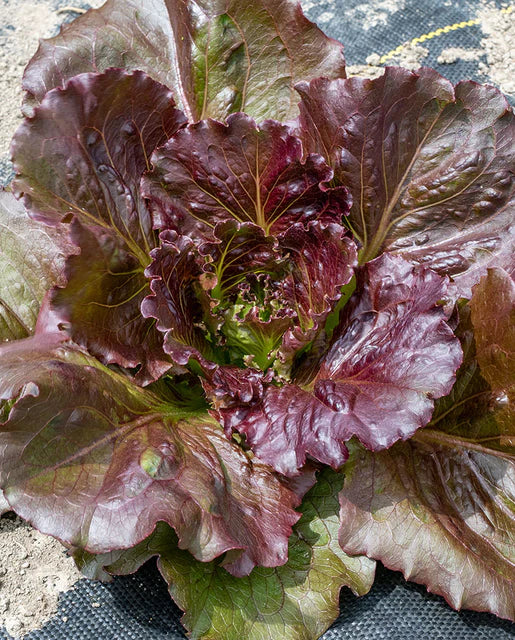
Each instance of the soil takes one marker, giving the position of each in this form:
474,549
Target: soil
34,570
499,45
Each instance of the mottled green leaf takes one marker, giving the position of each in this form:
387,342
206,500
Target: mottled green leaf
297,601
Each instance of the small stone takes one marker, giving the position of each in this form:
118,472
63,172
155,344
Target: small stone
4,604
22,572
95,605
64,618
14,625
373,59
25,565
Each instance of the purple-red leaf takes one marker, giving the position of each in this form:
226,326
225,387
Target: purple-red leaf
429,167
440,507
323,259
176,298
238,252
391,355
211,172
99,305
32,257
96,461
85,149
441,511
82,156
216,56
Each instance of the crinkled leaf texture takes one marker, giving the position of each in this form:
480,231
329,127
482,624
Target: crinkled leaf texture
94,460
391,355
32,257
297,601
430,167
211,172
440,507
493,316
217,56
213,287
82,156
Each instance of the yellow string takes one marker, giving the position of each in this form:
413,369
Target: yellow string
436,33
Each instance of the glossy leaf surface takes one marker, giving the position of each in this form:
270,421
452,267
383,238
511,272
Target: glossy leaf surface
297,601
82,157
440,507
95,461
391,355
216,56
430,167
85,149
211,172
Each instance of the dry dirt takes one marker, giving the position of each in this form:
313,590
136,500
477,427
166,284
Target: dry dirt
498,44
34,570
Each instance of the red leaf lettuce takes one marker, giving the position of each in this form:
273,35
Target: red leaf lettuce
209,295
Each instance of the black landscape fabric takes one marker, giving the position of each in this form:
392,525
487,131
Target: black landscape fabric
138,607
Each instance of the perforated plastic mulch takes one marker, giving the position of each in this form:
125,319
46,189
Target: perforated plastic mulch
138,607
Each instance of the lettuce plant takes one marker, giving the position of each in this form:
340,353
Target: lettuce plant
258,318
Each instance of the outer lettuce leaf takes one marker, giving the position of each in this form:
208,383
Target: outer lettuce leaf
32,258
493,317
429,167
217,56
85,149
391,355
211,172
95,461
440,507
297,601
82,155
